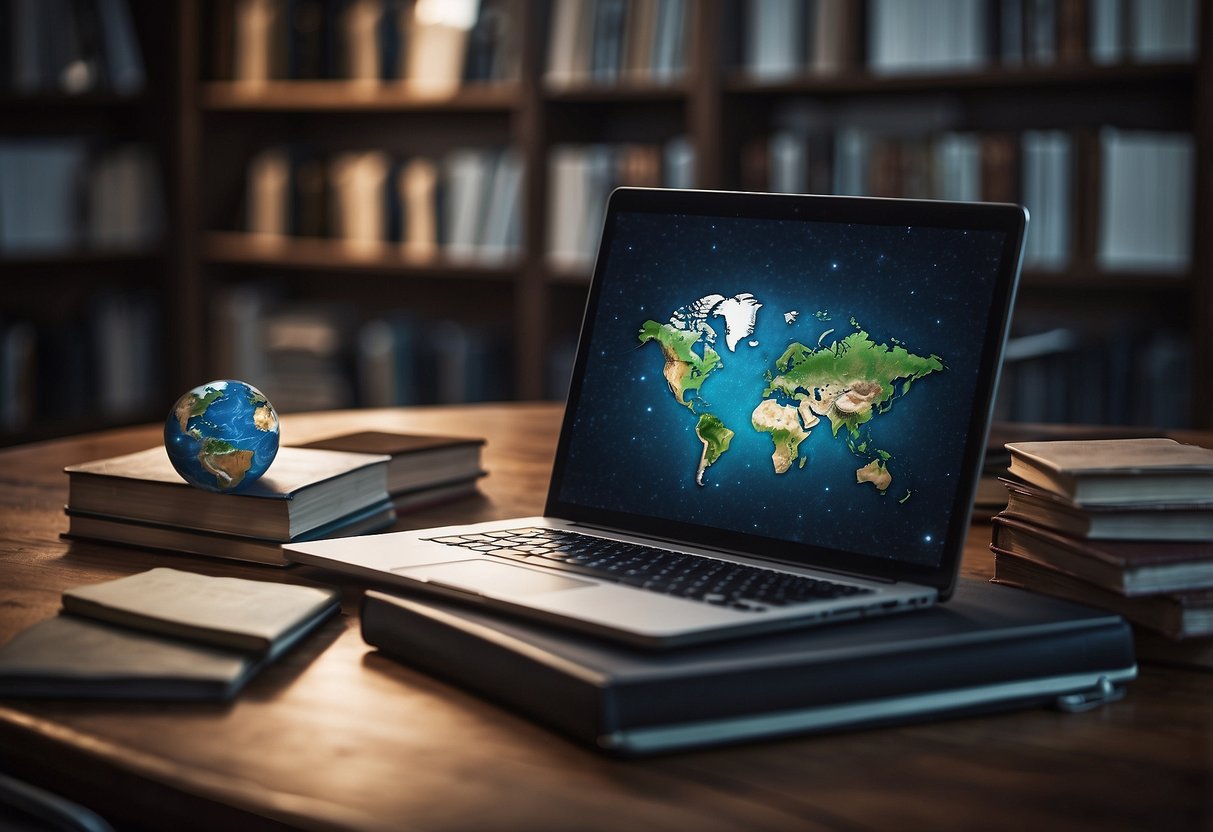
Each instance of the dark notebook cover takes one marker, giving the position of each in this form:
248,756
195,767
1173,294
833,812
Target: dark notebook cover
990,647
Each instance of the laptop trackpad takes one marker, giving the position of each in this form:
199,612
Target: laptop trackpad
482,577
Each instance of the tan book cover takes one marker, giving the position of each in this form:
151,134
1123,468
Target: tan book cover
263,617
1117,471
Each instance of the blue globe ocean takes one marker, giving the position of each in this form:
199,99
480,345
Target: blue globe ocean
222,436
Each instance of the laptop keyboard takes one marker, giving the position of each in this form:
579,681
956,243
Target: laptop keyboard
720,582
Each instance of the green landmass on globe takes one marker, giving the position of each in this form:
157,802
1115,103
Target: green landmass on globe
847,382
222,436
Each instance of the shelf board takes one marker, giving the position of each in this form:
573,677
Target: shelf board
72,258
627,91
347,96
1111,283
322,254
1052,76
66,102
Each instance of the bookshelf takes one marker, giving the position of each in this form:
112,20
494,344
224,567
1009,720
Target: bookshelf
86,120
695,111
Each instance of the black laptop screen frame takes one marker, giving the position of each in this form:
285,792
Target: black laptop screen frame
1010,220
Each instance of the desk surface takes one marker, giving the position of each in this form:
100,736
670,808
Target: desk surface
335,736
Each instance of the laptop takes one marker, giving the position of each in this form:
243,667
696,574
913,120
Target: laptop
776,418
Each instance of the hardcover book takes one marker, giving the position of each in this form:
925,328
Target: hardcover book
987,648
176,539
1156,521
303,490
418,462
1127,567
1117,471
1177,615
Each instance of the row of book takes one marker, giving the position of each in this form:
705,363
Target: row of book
69,47
1145,196
433,46
922,36
67,194
609,41
1124,524
322,357
463,206
335,487
1092,372
581,176
99,367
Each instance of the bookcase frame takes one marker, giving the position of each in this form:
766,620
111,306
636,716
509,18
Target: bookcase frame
714,105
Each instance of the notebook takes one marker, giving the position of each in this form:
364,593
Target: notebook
776,418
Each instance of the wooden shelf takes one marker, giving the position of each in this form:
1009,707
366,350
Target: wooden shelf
1027,77
320,254
350,96
627,91
1115,283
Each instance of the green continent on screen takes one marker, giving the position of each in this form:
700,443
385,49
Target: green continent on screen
225,461
685,371
715,438
848,383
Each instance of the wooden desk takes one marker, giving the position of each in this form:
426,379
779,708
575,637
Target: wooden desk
336,736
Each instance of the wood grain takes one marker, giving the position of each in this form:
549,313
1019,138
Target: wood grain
335,736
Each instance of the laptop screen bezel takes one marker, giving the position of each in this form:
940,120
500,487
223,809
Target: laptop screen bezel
1006,218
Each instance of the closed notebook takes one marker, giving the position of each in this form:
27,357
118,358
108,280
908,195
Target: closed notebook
989,647
72,657
163,634
262,617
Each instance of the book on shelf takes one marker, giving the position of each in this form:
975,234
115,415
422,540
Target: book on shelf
1146,200
162,634
64,194
1154,521
69,48
609,41
464,204
178,540
989,647
581,177
432,46
1177,615
1118,472
1127,567
304,489
419,463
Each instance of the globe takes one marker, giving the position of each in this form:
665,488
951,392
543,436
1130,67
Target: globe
222,436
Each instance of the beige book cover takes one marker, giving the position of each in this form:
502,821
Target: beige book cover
256,616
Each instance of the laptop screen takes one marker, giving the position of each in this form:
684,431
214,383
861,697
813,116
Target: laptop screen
806,379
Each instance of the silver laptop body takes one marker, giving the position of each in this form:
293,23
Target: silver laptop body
797,384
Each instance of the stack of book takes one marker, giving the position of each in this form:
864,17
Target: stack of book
162,634
139,499
1124,524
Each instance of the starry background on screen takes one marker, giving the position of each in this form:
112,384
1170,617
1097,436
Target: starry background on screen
634,448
